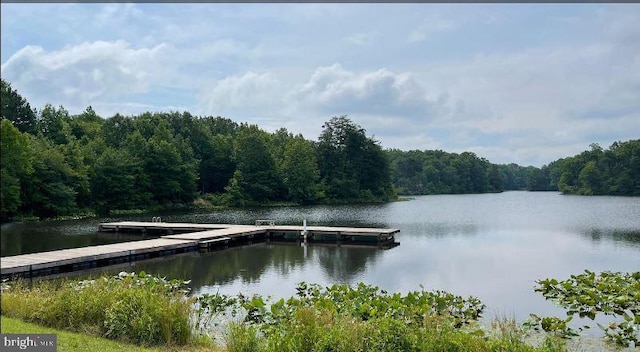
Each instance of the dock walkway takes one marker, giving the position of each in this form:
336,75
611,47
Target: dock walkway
73,259
177,238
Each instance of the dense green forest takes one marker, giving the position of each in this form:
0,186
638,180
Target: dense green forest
55,164
615,171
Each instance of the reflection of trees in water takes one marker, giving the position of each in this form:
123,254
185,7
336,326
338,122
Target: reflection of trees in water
290,258
628,237
343,264
249,263
38,237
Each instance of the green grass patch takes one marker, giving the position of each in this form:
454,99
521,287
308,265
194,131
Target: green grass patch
69,341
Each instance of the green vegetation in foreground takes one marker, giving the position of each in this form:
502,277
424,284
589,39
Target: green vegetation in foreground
588,294
138,309
152,311
70,341
364,318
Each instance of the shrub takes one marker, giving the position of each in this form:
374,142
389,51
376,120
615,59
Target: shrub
136,308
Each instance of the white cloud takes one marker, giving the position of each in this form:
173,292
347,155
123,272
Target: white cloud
250,97
384,102
85,74
335,90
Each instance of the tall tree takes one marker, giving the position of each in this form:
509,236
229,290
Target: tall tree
352,166
49,190
116,130
86,126
119,182
15,165
300,171
172,180
256,178
339,140
590,179
217,164
54,124
16,109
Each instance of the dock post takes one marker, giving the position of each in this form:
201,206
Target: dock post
304,230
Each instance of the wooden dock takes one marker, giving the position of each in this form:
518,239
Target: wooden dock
158,227
73,259
181,238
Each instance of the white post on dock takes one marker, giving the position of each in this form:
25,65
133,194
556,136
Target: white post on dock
304,235
304,230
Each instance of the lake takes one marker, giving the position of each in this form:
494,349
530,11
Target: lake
492,246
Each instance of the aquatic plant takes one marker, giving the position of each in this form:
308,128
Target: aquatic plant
588,294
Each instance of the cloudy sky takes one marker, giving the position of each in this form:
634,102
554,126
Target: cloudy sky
523,83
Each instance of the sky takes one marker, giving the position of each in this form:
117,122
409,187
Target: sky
512,83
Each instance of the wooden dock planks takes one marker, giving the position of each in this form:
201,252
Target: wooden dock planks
233,231
212,229
44,260
165,226
197,236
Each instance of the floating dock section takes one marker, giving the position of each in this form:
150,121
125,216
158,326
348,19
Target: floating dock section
181,238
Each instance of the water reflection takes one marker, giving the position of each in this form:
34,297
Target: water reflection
22,238
343,265
248,265
627,238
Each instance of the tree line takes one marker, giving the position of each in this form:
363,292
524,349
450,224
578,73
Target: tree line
615,171
55,164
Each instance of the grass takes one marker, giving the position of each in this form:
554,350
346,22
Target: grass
69,341
73,341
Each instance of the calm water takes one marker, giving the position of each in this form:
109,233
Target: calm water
493,246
